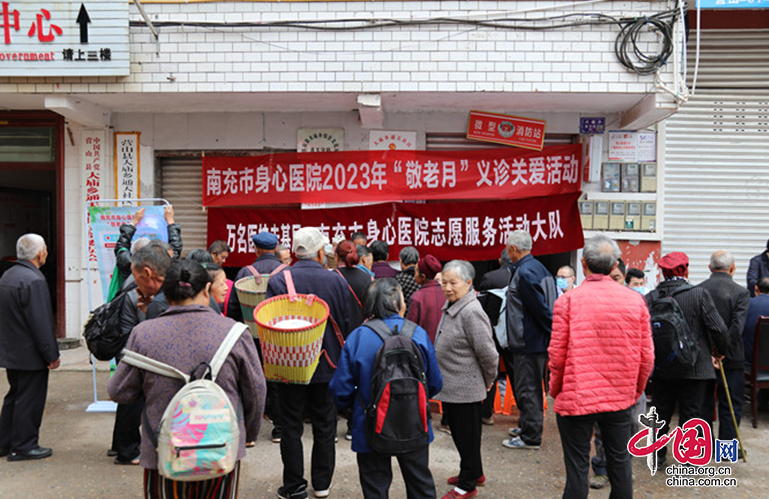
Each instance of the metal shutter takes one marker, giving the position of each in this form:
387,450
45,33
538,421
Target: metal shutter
460,142
716,179
181,183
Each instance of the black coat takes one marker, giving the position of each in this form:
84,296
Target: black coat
496,279
705,324
359,282
732,301
27,335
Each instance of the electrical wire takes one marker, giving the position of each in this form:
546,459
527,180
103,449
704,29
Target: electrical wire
627,45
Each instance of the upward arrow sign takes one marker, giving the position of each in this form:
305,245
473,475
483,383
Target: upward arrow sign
83,19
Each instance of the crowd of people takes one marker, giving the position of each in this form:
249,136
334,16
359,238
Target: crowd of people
589,343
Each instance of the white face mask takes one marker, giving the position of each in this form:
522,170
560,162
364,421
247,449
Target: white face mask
640,289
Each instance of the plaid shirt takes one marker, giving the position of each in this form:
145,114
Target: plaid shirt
407,282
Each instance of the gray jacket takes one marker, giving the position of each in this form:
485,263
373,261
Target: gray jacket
465,350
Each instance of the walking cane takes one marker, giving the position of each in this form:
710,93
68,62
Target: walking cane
731,409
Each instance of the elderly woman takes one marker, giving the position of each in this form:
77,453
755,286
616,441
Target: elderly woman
468,361
352,383
185,335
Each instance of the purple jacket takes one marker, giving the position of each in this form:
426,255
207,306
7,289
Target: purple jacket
184,336
383,269
425,307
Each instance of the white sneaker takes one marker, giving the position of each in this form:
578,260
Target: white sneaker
322,493
515,432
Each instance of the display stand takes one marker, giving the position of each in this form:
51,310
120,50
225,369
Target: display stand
104,405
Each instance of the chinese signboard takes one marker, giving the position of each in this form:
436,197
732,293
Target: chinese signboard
733,4
379,176
319,139
92,149
623,146
509,130
389,141
104,224
469,230
41,38
127,165
592,125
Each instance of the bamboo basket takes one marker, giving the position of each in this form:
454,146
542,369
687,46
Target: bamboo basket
252,290
291,355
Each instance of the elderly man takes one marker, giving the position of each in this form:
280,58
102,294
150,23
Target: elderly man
380,250
685,386
409,256
601,355
732,302
310,277
565,278
28,350
266,262
530,297
499,278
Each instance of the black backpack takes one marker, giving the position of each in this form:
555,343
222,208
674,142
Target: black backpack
398,417
675,350
102,329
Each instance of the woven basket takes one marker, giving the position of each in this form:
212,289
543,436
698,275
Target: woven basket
251,292
291,355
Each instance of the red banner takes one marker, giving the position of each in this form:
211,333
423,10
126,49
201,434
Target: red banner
467,231
504,129
383,176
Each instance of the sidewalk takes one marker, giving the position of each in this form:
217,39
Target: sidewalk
80,468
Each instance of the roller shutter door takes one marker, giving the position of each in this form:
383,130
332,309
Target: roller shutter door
716,179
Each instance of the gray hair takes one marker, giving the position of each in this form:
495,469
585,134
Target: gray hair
409,255
520,239
139,244
307,256
282,247
601,254
462,268
29,246
505,258
721,260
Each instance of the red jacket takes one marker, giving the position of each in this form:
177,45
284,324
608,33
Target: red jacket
601,349
426,307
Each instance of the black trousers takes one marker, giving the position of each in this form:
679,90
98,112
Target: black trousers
529,376
465,424
376,474
316,399
272,402
576,432
735,380
23,407
126,436
687,394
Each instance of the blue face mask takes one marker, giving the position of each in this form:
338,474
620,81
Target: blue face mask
640,289
562,282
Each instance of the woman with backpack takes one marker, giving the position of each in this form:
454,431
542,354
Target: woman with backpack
468,360
351,387
184,337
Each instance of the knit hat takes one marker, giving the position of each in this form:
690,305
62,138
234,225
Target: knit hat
429,266
674,264
308,240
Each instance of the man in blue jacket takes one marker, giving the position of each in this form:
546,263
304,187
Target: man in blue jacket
310,277
353,378
530,298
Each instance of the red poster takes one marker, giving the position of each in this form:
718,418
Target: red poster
503,129
382,176
463,230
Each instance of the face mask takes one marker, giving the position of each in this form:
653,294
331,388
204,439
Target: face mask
562,282
640,289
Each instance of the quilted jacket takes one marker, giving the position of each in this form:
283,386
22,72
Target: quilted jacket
601,349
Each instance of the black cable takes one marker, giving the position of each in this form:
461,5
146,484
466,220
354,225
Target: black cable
626,46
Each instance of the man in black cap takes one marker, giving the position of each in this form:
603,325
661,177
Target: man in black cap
266,244
266,262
